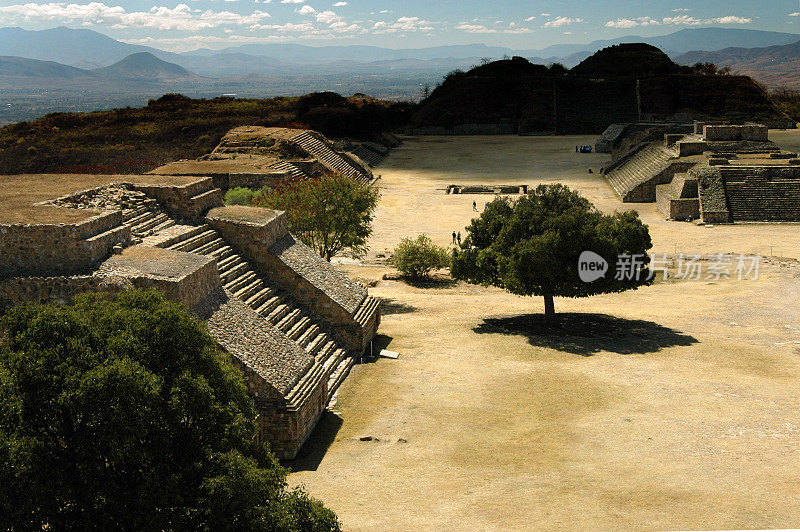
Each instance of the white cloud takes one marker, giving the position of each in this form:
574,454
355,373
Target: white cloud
339,4
730,19
684,20
545,14
512,29
292,1
559,22
306,10
680,10
530,19
328,17
402,24
795,14
632,23
179,18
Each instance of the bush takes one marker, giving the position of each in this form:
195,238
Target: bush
417,258
32,151
239,196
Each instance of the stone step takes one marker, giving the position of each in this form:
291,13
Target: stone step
289,319
194,243
233,273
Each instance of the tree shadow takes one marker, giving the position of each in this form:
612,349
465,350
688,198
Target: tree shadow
588,334
321,438
391,306
436,281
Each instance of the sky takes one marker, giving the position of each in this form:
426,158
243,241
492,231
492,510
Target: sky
189,24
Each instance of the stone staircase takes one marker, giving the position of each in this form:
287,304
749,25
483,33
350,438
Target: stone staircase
755,196
643,165
272,303
370,157
146,219
294,171
328,157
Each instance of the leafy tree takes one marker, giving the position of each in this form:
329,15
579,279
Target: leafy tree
330,214
239,196
532,246
416,258
122,414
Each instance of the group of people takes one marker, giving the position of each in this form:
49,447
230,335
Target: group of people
456,238
583,149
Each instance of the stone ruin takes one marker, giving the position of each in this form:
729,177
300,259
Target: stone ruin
291,322
255,156
716,173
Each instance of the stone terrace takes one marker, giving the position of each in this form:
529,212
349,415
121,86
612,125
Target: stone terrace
291,322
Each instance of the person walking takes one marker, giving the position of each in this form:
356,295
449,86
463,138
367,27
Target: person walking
475,206
454,238
459,238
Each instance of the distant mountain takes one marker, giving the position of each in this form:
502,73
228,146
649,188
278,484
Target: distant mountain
80,48
89,50
141,67
678,42
774,66
31,68
144,66
302,54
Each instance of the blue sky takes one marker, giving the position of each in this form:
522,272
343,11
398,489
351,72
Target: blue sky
188,24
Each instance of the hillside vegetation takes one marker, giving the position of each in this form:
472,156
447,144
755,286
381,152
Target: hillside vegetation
527,98
137,140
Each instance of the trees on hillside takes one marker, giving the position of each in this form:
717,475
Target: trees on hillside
532,246
122,414
331,214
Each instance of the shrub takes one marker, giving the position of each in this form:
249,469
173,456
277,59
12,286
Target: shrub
417,258
32,151
239,196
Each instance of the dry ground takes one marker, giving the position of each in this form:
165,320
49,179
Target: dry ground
671,407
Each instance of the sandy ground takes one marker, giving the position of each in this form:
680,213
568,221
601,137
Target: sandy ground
675,406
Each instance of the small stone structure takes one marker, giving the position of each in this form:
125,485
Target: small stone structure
291,322
720,173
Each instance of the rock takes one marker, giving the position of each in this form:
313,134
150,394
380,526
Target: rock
117,249
366,438
402,440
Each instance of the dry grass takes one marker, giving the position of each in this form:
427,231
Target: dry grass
684,416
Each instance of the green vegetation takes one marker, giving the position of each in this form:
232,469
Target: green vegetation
789,101
331,214
137,140
416,258
122,414
239,196
531,246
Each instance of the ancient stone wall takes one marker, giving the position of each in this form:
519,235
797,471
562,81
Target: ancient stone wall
53,249
185,278
56,289
287,430
188,201
754,132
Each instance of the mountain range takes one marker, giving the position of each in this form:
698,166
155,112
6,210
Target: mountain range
137,67
88,49
774,66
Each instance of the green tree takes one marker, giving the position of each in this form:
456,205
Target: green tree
531,246
331,214
121,413
239,196
416,258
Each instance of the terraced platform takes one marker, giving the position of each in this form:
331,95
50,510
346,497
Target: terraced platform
635,176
